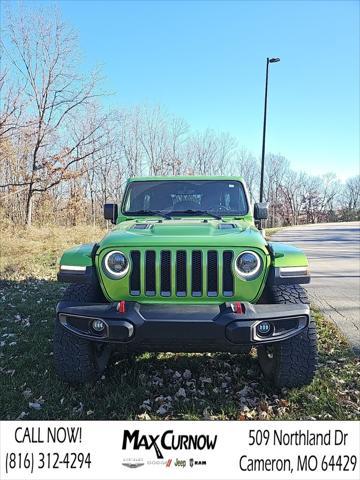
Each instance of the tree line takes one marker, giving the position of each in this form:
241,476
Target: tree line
62,154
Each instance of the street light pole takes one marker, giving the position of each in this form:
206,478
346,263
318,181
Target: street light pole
268,60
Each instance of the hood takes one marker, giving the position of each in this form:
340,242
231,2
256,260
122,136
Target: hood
184,232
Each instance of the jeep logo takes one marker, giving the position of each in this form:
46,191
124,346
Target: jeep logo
167,441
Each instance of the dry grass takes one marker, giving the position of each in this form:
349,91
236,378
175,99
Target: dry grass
34,252
269,232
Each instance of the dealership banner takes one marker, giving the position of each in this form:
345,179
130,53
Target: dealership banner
211,450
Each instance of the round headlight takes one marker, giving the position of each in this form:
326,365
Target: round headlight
248,265
115,264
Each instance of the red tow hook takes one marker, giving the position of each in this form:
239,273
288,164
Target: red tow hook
121,307
238,307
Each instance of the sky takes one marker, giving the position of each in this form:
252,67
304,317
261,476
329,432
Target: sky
205,62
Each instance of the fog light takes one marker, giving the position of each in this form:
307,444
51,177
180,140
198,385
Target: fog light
264,328
98,325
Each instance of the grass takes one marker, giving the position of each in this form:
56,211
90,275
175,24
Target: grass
269,232
148,386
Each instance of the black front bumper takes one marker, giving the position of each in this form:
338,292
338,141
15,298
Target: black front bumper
193,328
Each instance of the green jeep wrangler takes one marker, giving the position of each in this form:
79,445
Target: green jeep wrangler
185,270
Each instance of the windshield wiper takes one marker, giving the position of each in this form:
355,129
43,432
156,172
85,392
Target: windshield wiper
149,212
193,212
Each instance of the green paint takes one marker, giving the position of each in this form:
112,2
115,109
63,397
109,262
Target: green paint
288,256
186,234
79,256
243,290
184,231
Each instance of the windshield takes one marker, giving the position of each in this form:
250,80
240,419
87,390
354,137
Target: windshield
185,197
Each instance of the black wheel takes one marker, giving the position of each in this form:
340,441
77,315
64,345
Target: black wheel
78,360
293,362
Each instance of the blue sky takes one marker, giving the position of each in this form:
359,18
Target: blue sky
205,61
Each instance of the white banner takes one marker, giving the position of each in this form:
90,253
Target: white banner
179,450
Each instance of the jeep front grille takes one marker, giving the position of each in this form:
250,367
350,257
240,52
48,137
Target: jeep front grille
181,273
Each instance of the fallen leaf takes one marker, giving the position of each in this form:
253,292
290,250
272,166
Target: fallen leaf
27,393
22,415
180,393
144,416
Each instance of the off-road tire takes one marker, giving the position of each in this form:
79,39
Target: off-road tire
293,362
78,360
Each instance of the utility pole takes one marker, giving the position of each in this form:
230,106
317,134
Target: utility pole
268,61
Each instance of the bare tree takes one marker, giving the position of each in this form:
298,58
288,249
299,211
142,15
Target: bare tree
12,105
276,168
351,193
201,152
153,138
43,54
330,188
177,131
246,164
129,128
310,190
209,153
349,199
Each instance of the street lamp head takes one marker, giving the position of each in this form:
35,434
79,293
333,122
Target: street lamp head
274,60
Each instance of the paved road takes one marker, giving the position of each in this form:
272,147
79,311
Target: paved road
333,250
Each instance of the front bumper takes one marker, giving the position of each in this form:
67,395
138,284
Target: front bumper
156,328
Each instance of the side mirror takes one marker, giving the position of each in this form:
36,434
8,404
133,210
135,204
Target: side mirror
261,211
111,212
